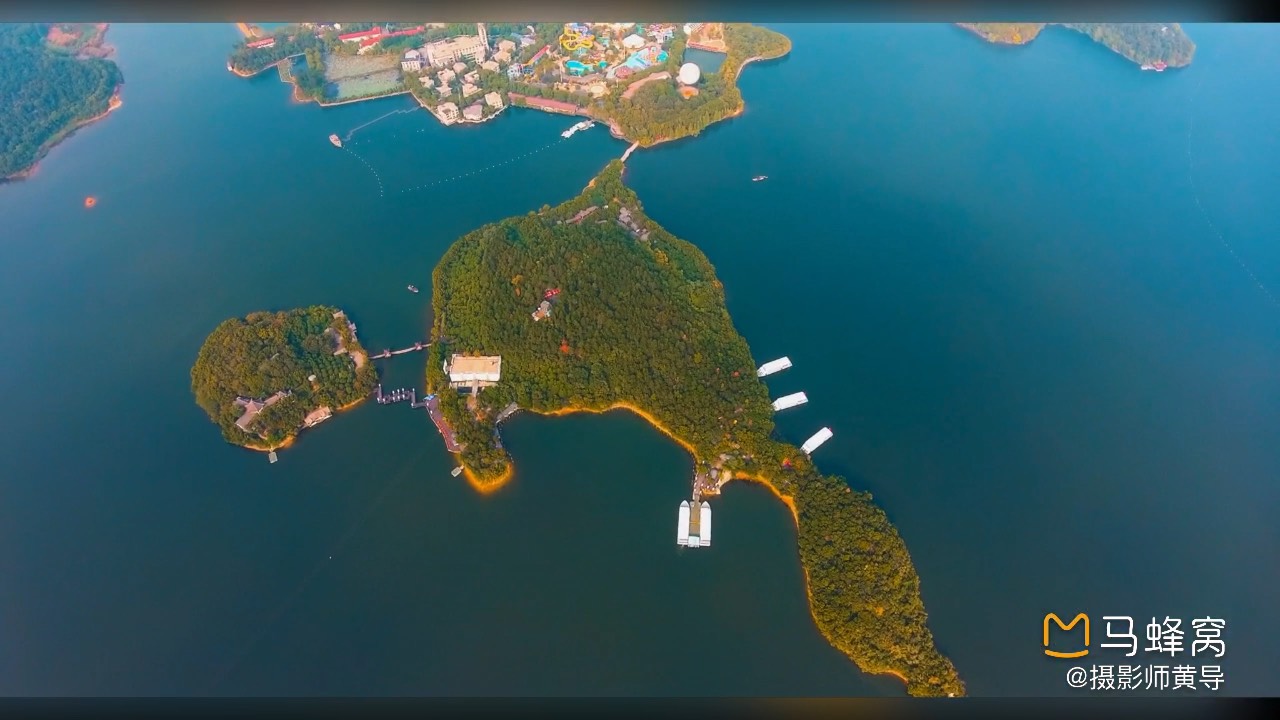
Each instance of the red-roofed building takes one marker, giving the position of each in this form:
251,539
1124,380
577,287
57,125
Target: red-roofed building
401,33
362,35
263,43
544,104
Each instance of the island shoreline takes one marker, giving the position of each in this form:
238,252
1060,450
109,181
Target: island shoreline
489,487
113,104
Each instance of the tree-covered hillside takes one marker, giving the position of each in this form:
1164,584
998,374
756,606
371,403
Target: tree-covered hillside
1142,43
640,321
46,94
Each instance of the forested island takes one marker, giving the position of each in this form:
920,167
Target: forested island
263,378
1152,45
592,306
53,81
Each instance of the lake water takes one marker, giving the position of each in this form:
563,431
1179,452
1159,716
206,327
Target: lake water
1045,345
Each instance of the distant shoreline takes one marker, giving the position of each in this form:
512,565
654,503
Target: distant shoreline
615,129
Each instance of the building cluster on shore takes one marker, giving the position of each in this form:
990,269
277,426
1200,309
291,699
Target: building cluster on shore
452,76
448,72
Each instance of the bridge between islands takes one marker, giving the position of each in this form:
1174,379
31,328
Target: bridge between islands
416,347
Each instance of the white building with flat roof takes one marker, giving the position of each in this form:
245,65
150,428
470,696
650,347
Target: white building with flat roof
411,62
478,370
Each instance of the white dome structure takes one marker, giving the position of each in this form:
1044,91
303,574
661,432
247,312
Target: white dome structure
689,74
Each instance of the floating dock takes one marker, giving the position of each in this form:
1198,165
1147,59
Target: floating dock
693,527
774,366
790,401
271,457
814,442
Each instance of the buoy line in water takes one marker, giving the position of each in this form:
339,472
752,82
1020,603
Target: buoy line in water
495,166
1204,214
376,176
353,131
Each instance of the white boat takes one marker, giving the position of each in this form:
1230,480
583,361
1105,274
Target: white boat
583,125
814,442
456,471
758,178
790,401
774,366
337,141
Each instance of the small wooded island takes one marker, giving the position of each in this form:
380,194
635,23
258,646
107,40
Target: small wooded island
1154,46
591,306
54,78
264,378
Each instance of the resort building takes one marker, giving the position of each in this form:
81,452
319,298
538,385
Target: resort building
317,416
473,112
263,43
447,112
253,407
490,65
493,100
633,42
544,104
506,46
411,62
447,76
502,56
361,36
473,371
472,77
468,90
459,67
447,52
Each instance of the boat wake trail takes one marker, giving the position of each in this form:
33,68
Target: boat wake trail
495,166
353,131
297,593
1195,193
376,176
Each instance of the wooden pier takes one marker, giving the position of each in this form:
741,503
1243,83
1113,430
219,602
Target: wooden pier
399,395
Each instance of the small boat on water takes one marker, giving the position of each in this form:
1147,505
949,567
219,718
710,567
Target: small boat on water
456,471
413,289
584,125
758,178
1158,66
337,141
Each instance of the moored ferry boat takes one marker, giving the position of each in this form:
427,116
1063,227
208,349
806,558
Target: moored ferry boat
584,125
